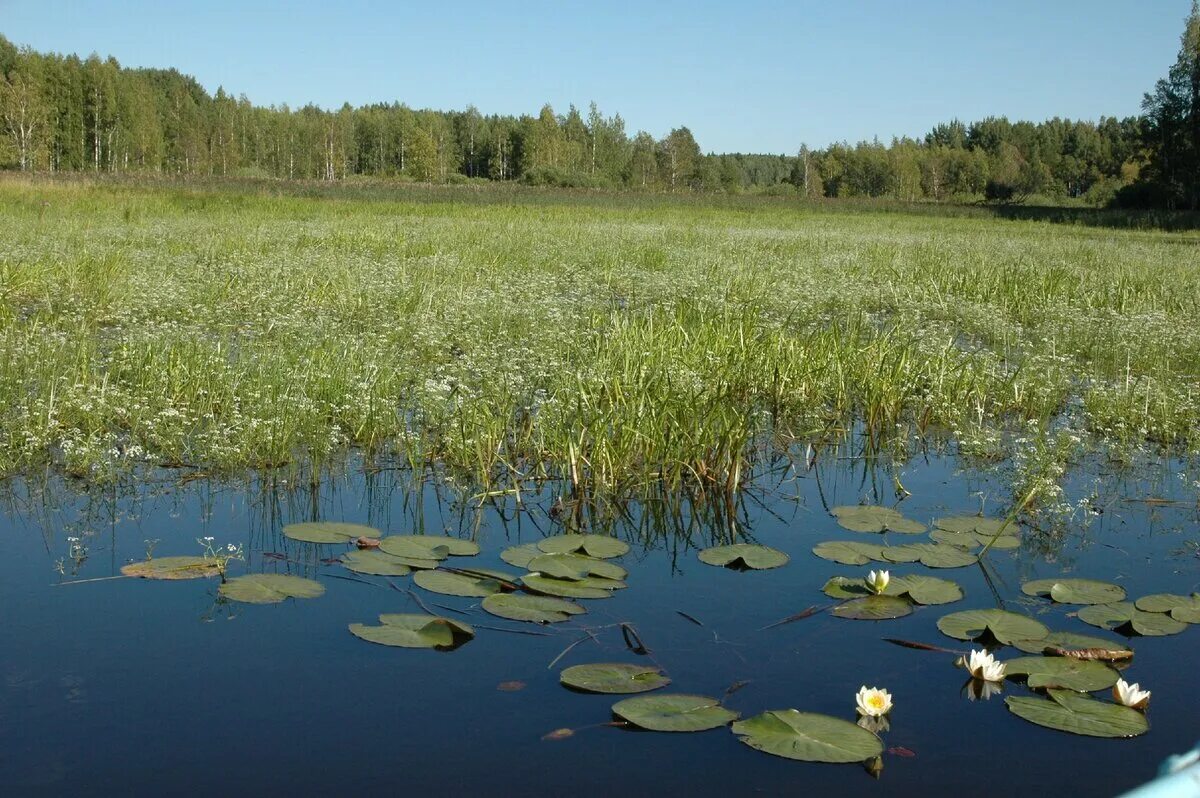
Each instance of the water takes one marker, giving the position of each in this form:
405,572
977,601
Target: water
134,687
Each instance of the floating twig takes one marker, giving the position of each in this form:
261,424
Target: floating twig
689,617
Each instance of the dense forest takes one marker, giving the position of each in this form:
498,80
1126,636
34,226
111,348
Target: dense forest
64,113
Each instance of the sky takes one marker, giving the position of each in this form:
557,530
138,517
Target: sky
751,76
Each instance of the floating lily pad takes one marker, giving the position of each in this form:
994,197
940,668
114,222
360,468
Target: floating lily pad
1181,608
329,532
973,525
808,737
534,609
743,557
600,546
1006,627
521,556
415,631
374,563
449,583
1066,710
613,677
270,588
574,566
849,552
591,587
435,547
874,608
920,589
972,540
933,555
1066,672
172,568
1075,591
1125,617
1069,641
869,518
674,713
847,587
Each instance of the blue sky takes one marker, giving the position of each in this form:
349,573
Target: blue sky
750,76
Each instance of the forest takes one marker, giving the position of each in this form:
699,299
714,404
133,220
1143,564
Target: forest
63,113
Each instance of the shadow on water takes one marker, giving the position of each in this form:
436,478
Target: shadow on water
135,687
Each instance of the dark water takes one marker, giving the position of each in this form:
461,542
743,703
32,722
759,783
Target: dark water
131,687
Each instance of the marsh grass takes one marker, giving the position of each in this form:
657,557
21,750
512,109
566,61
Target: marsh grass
615,343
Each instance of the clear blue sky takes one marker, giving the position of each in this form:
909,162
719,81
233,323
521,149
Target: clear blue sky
754,76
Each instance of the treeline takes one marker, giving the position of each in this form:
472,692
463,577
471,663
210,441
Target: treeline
64,113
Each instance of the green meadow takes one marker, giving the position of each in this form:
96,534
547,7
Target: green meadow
613,341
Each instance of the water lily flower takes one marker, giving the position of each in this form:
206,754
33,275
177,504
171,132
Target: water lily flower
878,580
873,701
982,665
1131,695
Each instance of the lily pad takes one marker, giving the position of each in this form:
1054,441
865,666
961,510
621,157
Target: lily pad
972,540
973,525
613,677
933,555
1180,608
1006,627
1070,641
743,557
574,566
329,532
270,588
415,631
521,556
172,568
869,518
1125,617
374,563
1066,710
600,546
1075,591
433,545
590,587
674,713
849,552
808,737
874,608
449,583
534,609
1066,672
920,589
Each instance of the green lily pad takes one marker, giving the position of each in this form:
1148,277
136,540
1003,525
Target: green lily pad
433,546
869,518
873,608
534,609
849,552
521,556
613,677
920,589
1006,627
973,540
1075,591
847,587
270,588
329,532
415,631
574,566
449,583
743,557
1066,672
1069,711
933,555
590,587
600,546
1070,641
1124,617
374,563
674,713
1185,609
172,568
808,737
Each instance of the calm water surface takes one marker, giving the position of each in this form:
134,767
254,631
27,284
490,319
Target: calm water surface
132,687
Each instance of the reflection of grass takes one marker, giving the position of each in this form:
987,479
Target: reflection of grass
612,344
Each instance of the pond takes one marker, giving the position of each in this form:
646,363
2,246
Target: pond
141,687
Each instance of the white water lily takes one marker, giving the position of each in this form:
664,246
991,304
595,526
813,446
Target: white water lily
982,665
873,702
878,580
1131,695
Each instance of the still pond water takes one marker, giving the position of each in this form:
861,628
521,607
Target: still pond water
136,687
